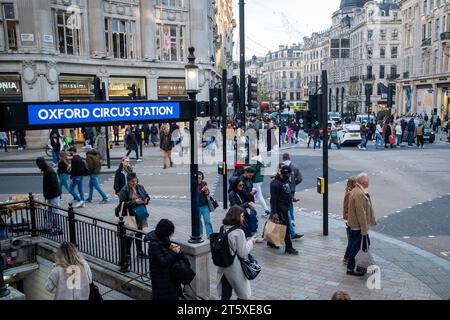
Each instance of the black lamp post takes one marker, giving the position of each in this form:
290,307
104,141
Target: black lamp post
4,291
192,88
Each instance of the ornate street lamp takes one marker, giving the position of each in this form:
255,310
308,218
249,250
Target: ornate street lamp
192,89
191,70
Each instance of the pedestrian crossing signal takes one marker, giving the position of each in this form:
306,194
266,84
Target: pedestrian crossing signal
320,185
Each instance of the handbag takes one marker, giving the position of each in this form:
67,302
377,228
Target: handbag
181,270
363,260
250,267
141,212
130,221
275,232
212,203
392,139
94,293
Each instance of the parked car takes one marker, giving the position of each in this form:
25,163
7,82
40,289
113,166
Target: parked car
429,135
349,134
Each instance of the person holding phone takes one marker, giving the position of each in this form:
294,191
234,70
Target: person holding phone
136,199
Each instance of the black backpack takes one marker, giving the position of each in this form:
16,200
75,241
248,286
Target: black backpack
220,249
181,270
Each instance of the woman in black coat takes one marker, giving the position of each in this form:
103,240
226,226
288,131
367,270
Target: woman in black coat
237,198
163,255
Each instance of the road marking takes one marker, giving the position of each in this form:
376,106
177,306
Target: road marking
406,237
409,207
446,254
420,203
431,237
397,211
386,217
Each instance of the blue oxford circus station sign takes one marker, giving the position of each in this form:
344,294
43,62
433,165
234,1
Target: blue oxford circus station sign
31,116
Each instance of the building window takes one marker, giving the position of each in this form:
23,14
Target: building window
370,35
382,35
170,42
369,53
382,53
171,3
69,33
119,38
394,34
394,52
10,25
382,72
394,71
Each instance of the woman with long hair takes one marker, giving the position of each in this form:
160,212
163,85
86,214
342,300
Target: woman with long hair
351,184
233,278
64,175
71,276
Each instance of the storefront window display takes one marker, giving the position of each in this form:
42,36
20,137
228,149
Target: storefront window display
10,90
172,89
118,87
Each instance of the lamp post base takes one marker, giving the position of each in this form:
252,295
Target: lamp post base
4,292
196,240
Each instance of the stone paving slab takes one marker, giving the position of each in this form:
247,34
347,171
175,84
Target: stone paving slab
314,275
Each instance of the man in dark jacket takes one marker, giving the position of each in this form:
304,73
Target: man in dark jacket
165,144
134,195
77,172
132,144
411,130
295,179
94,167
280,200
52,193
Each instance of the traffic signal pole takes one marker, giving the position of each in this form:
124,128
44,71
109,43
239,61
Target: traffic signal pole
242,59
324,109
224,138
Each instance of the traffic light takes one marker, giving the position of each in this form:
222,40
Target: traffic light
133,93
215,101
368,94
233,93
96,88
391,92
252,92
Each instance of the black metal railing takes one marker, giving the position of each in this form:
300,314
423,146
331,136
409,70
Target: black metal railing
354,78
368,77
392,76
111,242
405,75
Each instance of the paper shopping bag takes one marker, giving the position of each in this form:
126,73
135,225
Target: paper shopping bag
275,233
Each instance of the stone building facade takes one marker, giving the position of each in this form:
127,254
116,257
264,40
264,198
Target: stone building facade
50,50
282,73
424,86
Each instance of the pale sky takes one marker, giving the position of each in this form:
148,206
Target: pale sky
270,23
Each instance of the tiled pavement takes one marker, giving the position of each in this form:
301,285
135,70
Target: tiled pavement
317,272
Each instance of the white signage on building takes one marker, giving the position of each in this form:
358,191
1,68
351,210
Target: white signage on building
8,86
27,37
48,38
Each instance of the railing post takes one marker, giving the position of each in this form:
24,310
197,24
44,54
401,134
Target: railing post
72,232
122,233
32,215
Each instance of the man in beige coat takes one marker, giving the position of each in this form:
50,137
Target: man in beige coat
360,219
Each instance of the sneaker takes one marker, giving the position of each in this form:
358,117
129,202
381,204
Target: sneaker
104,201
259,240
139,160
291,251
89,200
80,204
272,246
297,236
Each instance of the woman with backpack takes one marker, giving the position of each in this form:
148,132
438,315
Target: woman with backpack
232,277
163,255
68,261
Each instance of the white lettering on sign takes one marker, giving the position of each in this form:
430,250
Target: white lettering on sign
56,114
8,86
142,111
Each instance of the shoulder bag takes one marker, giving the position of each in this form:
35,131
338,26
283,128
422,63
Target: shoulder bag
212,203
363,259
94,292
130,221
250,267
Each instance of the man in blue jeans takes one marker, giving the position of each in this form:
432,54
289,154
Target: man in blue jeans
77,172
360,218
94,167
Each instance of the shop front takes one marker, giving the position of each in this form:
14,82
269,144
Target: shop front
443,99
118,88
10,90
172,89
75,89
424,100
